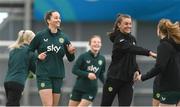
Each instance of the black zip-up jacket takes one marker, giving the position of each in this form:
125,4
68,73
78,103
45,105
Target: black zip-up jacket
123,64
167,66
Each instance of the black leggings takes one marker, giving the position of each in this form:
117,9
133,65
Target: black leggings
113,87
13,93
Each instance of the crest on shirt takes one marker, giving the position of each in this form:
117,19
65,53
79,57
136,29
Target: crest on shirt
134,43
88,61
100,62
45,40
61,40
158,95
110,89
42,84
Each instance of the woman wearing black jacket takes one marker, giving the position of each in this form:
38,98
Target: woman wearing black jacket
123,66
167,64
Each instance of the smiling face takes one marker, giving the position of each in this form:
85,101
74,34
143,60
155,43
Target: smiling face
54,20
95,44
125,25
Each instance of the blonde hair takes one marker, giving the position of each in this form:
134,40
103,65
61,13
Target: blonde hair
172,30
24,37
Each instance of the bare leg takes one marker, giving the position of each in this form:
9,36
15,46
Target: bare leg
46,97
178,104
56,98
73,103
167,105
84,102
155,102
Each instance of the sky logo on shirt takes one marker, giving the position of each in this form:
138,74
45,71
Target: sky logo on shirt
93,68
53,48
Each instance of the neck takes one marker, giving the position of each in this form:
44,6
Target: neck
162,37
53,29
26,42
94,52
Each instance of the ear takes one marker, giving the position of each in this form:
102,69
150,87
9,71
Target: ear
118,25
48,21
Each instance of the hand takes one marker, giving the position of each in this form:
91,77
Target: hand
42,56
71,49
91,76
139,77
136,74
152,54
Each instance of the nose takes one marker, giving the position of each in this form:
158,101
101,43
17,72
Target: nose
130,25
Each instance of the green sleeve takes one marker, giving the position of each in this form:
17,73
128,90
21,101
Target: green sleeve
76,68
34,43
69,56
32,61
101,76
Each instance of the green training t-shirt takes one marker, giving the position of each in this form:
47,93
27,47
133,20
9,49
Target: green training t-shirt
55,46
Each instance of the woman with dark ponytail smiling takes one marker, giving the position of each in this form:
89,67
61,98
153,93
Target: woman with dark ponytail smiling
123,65
52,44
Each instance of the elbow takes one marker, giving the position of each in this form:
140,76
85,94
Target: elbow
71,59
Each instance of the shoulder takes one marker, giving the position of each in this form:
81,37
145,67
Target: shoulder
102,57
132,37
81,57
64,36
166,46
119,38
85,54
44,31
24,48
40,34
102,60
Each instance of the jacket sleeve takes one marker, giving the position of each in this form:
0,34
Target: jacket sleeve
121,44
77,68
101,76
137,68
164,53
32,61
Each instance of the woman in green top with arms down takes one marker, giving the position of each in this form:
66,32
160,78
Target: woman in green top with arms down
51,44
88,67
20,62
